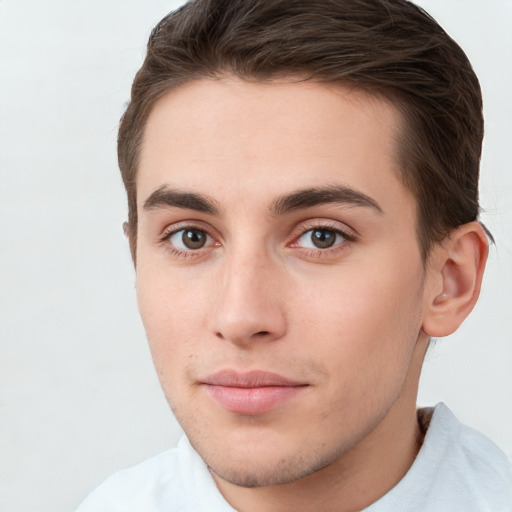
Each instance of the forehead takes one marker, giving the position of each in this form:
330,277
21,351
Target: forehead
241,140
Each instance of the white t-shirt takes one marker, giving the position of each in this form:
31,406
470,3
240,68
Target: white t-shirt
456,470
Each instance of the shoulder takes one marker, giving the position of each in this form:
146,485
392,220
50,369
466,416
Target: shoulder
468,472
485,468
457,469
146,486
477,451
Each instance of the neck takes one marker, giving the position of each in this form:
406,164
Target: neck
360,476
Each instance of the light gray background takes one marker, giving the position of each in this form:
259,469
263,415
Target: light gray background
79,398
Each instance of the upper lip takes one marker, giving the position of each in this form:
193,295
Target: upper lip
251,379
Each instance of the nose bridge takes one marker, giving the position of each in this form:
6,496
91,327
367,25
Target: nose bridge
248,306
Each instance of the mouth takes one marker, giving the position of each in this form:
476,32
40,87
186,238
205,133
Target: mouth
251,393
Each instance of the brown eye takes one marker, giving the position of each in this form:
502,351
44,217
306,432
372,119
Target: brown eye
320,238
323,238
189,239
193,238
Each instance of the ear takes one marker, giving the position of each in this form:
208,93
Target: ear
454,278
127,234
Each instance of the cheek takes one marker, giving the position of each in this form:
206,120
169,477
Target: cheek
368,322
172,312
367,353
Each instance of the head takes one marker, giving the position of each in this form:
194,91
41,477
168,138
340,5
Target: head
302,187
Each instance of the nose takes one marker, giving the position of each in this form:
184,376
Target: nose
249,301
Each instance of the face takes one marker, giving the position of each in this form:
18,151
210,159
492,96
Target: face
279,276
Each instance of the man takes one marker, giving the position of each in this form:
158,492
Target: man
302,183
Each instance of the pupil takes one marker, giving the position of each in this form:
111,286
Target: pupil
193,238
323,238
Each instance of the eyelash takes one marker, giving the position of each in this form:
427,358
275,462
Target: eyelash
173,230
324,225
347,237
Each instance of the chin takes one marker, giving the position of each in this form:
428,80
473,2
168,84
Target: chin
255,471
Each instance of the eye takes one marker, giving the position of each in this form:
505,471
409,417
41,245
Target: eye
189,239
320,238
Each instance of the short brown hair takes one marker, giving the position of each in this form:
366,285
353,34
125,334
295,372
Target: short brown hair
391,48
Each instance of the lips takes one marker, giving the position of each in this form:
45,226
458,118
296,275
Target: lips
251,393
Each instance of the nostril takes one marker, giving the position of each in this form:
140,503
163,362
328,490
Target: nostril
262,333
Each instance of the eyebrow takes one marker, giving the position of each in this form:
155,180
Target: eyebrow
164,197
310,197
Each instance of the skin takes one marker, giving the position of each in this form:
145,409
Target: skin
350,322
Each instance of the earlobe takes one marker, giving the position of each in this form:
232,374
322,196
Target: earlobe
455,277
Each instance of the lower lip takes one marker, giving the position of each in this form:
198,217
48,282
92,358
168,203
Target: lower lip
252,401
